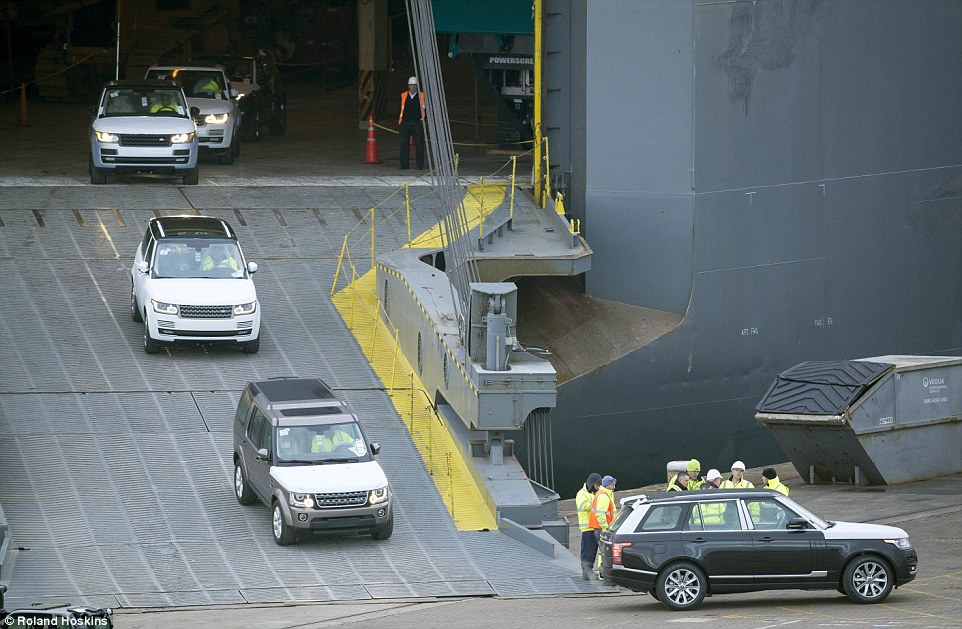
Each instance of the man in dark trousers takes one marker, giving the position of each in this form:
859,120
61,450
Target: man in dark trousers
410,121
589,545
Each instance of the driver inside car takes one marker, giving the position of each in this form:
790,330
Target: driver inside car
330,439
219,257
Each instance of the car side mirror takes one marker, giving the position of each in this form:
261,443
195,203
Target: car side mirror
252,267
143,267
797,524
233,92
263,455
194,112
375,448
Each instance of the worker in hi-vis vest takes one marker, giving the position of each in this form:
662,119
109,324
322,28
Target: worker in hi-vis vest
772,482
411,121
583,502
737,479
602,511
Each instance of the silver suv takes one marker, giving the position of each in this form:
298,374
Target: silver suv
218,119
300,450
143,126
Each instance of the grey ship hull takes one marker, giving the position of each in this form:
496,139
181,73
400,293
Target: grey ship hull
783,175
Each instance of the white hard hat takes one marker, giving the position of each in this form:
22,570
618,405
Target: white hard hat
413,80
713,473
738,465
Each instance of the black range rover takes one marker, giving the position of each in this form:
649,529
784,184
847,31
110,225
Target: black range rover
681,547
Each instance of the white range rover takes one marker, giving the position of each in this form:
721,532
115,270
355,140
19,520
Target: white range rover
209,90
190,282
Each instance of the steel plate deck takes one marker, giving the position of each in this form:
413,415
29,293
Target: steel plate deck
115,466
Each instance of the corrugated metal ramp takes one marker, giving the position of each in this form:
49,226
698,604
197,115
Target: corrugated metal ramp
115,465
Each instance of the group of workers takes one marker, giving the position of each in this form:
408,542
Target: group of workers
596,502
690,479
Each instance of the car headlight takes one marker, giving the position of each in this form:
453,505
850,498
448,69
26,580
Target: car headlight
216,118
304,501
378,495
182,138
103,136
901,543
245,309
163,308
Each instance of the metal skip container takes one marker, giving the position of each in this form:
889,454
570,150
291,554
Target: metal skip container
878,421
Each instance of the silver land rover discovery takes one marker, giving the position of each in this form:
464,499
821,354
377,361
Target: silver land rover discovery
300,450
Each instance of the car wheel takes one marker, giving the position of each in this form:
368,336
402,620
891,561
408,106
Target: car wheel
654,594
97,178
227,157
242,490
150,345
279,123
385,531
134,308
283,534
254,127
681,587
867,580
253,347
191,177
235,145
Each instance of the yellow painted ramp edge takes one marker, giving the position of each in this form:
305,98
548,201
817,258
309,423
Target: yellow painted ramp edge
442,455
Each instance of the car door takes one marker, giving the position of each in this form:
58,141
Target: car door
259,436
716,536
782,557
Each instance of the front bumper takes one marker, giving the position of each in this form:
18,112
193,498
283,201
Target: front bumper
237,329
112,156
366,519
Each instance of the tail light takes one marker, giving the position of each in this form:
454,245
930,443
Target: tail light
616,552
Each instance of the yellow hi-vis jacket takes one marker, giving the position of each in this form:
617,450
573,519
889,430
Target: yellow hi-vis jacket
583,503
673,484
602,509
777,486
742,484
404,99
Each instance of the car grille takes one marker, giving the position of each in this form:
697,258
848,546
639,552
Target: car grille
144,140
342,499
206,312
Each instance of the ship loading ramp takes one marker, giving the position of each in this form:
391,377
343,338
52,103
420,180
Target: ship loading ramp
876,421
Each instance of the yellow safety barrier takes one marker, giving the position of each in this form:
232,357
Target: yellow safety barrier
362,310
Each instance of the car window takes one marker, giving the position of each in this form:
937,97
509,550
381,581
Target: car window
145,243
244,406
320,442
768,514
714,516
258,428
198,258
149,251
621,516
662,518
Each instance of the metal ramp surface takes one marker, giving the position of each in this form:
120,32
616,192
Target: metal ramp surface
115,466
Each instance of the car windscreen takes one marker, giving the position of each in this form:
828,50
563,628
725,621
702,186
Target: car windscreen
196,83
319,443
198,258
144,102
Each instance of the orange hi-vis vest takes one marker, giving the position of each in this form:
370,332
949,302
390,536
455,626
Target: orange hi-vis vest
608,511
404,99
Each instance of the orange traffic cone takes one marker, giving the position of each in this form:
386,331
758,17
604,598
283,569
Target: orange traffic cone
23,105
370,155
